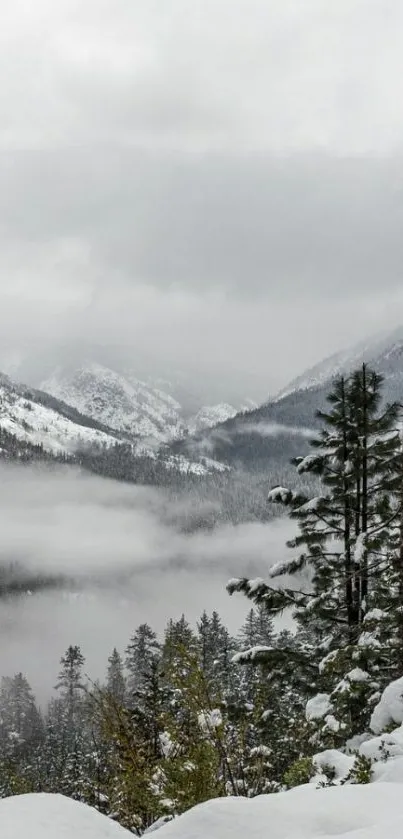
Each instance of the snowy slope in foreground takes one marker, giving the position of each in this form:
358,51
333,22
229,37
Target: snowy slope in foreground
44,816
373,811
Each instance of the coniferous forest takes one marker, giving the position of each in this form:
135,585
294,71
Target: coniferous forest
197,713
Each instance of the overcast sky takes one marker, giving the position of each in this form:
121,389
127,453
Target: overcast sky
215,185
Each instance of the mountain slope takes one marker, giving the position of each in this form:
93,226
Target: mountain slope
129,406
38,419
375,352
265,439
210,416
126,403
34,425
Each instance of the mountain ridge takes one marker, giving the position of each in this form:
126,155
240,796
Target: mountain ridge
122,401
370,350
267,437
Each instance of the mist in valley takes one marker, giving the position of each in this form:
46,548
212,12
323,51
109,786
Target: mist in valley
95,558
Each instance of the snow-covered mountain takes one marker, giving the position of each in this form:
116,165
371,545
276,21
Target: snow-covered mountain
267,438
383,352
38,419
125,403
210,416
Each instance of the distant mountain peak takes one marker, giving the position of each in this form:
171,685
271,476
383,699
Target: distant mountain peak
376,351
128,405
140,408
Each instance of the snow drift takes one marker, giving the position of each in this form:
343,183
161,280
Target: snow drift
373,811
44,816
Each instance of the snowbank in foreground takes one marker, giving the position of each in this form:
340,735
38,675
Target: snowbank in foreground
372,811
54,817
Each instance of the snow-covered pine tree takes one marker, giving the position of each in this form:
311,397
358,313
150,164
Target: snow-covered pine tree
21,736
178,634
115,680
71,710
131,748
20,720
383,622
195,765
131,730
276,687
70,682
216,650
142,653
342,544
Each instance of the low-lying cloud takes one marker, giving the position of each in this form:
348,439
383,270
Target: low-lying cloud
275,429
126,561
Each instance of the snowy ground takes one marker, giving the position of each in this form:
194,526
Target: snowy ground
365,812
54,817
348,812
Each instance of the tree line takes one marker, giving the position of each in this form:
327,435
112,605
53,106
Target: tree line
175,722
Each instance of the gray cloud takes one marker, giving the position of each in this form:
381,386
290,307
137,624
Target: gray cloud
181,185
244,225
278,76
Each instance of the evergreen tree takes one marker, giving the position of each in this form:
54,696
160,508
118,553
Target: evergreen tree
217,649
20,720
142,653
115,680
70,721
21,736
344,534
178,635
195,765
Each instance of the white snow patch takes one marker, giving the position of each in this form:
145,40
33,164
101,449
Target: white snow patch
307,462
209,720
251,654
332,724
43,816
121,402
340,763
278,495
371,812
357,675
312,505
389,709
375,615
360,548
318,707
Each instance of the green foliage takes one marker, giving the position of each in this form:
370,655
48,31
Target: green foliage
301,772
349,545
361,773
